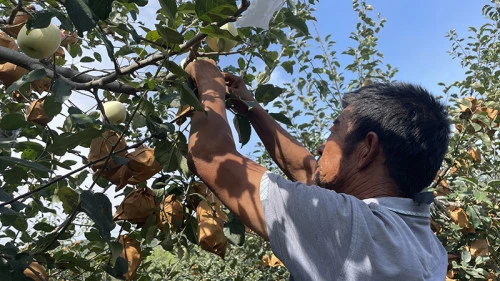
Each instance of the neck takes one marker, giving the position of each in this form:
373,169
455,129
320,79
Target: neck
366,186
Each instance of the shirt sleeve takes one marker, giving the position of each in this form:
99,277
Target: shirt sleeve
309,228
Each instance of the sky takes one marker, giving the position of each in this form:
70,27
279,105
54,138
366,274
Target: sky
413,39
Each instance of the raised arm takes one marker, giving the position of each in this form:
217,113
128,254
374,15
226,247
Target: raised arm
291,156
212,153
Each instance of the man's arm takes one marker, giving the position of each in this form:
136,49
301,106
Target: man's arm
291,156
212,154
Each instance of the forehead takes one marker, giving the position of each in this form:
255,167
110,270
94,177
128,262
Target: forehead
345,115
344,119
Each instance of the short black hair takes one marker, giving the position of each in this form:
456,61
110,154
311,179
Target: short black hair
412,126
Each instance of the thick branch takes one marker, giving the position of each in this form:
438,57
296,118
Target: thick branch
81,81
78,80
156,58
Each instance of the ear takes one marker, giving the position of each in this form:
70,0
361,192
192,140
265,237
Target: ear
368,150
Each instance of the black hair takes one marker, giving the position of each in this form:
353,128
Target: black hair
412,126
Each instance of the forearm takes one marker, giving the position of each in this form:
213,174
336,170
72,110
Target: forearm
291,156
212,155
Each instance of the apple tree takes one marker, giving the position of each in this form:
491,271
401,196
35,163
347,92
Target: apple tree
84,196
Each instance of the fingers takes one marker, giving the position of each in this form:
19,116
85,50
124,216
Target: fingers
204,70
232,81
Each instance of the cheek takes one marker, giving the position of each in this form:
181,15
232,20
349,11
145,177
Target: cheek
330,160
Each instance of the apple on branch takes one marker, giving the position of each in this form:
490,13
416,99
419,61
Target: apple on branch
115,112
221,44
39,43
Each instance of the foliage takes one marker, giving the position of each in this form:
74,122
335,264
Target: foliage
58,211
469,181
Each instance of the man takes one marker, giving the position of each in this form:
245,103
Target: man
359,222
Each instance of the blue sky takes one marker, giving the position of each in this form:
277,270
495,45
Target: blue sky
413,39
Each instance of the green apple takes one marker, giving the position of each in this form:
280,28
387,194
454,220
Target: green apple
221,44
115,111
39,43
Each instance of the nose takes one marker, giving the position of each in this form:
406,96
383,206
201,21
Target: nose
320,149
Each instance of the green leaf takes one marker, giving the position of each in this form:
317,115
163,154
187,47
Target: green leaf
118,270
474,213
288,66
47,242
109,46
51,107
25,163
267,92
234,230
214,10
40,19
68,197
29,154
153,35
159,130
98,56
216,32
169,7
175,69
296,22
466,257
81,15
62,143
87,59
14,219
62,90
101,8
169,35
243,127
33,75
116,249
166,155
484,138
189,97
82,119
280,117
43,226
98,207
12,121
495,184
66,164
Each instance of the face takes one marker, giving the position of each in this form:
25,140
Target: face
333,166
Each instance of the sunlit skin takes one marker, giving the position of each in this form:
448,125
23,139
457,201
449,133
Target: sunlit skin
333,166
235,179
362,173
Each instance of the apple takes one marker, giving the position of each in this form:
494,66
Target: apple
221,44
39,43
115,111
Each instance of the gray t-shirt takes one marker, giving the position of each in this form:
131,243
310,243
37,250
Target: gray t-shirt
323,235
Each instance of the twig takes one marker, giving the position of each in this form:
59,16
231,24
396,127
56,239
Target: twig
68,174
13,14
76,79
155,58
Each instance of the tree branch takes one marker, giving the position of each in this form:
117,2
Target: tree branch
81,81
78,80
18,8
156,58
27,194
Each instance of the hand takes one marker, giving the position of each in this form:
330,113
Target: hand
238,92
206,76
